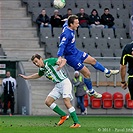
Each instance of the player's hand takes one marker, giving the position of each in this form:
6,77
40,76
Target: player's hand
124,85
23,76
59,68
59,60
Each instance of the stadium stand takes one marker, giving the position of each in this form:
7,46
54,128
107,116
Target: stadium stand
117,4
83,33
118,23
113,43
101,43
96,33
104,4
108,33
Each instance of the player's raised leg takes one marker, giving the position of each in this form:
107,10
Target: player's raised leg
97,65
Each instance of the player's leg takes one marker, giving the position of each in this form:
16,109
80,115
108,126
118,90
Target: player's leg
53,95
67,97
77,64
130,85
50,103
87,80
97,65
72,112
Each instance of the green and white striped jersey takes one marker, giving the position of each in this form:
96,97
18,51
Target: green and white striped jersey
50,71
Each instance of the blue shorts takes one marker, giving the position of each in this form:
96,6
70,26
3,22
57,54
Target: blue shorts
76,61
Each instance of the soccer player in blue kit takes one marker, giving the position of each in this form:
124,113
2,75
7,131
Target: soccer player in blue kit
75,58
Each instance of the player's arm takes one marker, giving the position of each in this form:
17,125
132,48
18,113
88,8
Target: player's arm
61,64
123,75
33,76
62,46
123,72
123,63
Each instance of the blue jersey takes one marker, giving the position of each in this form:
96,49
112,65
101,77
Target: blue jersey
67,42
67,48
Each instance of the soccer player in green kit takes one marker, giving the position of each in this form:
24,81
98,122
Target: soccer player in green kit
51,70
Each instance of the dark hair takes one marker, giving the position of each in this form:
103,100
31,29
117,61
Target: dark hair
71,19
36,56
43,9
106,9
69,9
95,11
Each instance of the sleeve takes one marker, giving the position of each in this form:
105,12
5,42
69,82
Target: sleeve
62,45
52,61
112,18
40,73
47,19
15,84
38,20
123,60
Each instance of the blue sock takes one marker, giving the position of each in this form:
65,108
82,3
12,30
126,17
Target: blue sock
99,66
89,84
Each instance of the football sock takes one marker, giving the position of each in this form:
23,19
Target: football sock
89,85
100,67
73,114
106,71
56,109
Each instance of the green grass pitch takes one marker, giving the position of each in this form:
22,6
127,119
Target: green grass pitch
46,124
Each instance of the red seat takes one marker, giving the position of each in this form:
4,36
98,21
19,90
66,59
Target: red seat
128,101
107,100
95,102
118,100
86,100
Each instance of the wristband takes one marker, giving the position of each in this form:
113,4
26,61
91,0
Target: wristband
123,82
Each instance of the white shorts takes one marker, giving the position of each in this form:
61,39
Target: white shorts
63,88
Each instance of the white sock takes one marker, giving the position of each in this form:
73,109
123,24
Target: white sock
72,109
52,106
106,70
90,90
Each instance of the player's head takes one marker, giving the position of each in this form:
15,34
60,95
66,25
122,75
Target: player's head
37,60
73,22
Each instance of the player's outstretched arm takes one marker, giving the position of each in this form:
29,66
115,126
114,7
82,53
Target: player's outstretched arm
33,76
